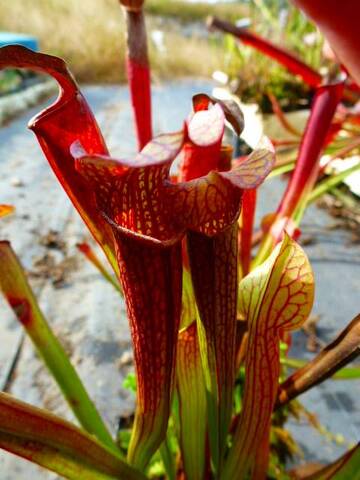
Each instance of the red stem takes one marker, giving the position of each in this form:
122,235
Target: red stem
315,136
281,55
138,70
247,215
290,61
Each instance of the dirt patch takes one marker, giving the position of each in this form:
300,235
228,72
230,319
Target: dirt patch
46,267
313,342
53,240
55,264
346,212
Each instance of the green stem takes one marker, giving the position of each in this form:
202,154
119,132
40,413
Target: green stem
330,183
21,298
69,382
289,167
168,459
264,251
346,198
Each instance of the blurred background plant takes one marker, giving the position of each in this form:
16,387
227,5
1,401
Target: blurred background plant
177,39
95,48
252,74
9,81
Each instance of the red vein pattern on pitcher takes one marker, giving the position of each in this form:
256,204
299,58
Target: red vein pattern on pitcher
276,296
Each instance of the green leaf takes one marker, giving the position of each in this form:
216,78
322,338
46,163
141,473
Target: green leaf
167,458
281,170
49,441
130,382
17,291
331,182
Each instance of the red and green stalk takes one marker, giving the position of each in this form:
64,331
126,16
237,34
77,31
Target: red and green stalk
305,174
138,69
190,387
284,280
149,215
131,195
213,264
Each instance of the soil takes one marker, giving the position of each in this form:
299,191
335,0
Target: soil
56,268
347,217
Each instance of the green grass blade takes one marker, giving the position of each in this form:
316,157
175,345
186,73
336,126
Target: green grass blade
17,291
289,167
192,403
168,459
330,183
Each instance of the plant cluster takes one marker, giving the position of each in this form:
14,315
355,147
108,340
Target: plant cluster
208,320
